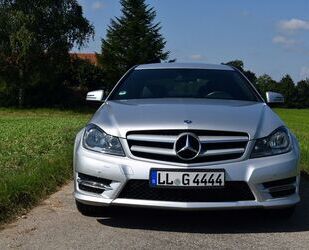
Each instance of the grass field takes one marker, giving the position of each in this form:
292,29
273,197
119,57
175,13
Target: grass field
36,152
35,155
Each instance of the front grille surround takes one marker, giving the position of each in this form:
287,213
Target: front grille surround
216,146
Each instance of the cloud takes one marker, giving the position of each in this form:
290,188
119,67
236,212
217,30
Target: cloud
304,72
294,24
98,5
284,41
197,57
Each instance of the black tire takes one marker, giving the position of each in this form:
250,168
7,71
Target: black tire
283,213
88,210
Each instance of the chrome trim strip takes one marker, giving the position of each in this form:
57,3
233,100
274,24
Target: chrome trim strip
166,151
93,184
222,139
280,188
152,150
223,151
153,138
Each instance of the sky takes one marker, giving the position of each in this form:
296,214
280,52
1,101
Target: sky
270,36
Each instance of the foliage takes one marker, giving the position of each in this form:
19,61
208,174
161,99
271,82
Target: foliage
36,36
131,39
287,87
265,83
85,75
35,155
238,64
296,95
303,94
82,77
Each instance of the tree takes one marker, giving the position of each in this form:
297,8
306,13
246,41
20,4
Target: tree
239,64
303,93
287,87
131,39
82,77
36,36
265,83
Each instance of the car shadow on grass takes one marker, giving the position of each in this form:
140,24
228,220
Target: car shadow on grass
210,222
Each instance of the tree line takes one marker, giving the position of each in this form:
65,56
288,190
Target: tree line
36,36
36,69
296,94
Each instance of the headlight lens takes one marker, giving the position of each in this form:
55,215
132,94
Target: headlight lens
279,142
97,140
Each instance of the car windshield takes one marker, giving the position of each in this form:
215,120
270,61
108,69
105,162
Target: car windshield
184,83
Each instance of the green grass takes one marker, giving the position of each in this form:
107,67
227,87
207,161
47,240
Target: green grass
35,155
298,121
36,152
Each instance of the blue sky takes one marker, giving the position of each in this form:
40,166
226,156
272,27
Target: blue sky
269,36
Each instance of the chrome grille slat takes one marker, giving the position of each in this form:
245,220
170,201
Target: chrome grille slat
153,150
164,151
222,139
153,138
216,146
223,151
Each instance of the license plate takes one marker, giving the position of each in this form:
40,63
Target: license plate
176,178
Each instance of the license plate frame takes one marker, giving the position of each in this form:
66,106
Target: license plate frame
182,171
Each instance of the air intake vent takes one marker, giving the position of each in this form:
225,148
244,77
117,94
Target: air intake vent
233,191
281,188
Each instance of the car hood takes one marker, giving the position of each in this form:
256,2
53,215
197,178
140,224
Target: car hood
119,117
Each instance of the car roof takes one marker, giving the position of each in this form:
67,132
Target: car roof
184,66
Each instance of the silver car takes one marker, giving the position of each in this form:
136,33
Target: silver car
188,137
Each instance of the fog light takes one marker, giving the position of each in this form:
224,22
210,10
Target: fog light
93,184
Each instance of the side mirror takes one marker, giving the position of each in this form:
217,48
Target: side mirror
274,98
96,96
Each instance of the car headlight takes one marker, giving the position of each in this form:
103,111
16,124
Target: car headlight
96,139
278,142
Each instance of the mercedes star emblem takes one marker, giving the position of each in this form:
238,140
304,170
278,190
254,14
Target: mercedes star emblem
187,146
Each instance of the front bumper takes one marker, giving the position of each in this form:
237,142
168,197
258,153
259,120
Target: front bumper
119,170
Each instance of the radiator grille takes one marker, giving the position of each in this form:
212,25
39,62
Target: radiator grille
215,145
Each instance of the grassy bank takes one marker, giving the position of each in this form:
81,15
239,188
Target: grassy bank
298,121
35,155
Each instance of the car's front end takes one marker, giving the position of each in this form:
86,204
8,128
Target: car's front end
185,153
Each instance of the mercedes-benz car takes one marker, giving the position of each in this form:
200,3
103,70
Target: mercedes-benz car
188,137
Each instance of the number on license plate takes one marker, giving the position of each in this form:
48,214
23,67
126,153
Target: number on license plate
187,179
